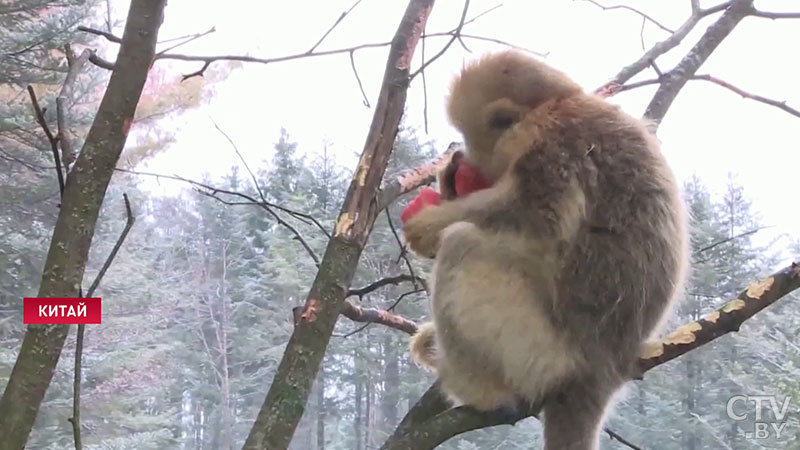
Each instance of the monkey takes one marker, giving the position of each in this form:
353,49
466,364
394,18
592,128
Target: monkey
546,284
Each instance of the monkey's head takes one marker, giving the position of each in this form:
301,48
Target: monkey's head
492,94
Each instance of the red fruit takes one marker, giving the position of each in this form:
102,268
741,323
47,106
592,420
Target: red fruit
427,196
468,179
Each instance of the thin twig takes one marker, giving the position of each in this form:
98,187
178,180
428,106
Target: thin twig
374,286
241,158
120,240
76,384
335,24
662,47
189,38
403,252
615,436
303,217
358,79
52,139
75,420
456,33
629,8
726,240
778,104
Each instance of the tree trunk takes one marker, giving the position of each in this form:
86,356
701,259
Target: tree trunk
321,410
391,389
287,397
80,206
359,388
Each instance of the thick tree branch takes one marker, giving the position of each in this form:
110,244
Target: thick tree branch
724,320
288,394
674,80
80,206
380,316
414,178
430,422
646,60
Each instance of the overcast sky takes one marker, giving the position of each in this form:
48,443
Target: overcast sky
709,131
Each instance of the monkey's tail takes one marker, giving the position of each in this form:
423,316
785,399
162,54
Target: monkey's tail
423,345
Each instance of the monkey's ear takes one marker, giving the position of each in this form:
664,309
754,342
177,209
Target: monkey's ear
501,114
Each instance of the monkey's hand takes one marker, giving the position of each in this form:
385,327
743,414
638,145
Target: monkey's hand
422,231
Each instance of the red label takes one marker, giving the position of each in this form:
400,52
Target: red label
61,310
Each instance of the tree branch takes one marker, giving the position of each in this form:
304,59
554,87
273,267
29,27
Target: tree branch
291,386
629,8
75,420
374,286
380,316
662,47
430,422
39,114
776,103
674,80
776,15
414,178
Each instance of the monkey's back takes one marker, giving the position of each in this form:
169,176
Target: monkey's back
622,272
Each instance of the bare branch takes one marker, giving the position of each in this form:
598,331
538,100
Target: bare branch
730,317
249,200
415,178
50,137
358,80
110,37
662,47
629,8
242,160
776,103
729,239
455,35
335,24
374,286
687,67
615,436
130,219
403,252
776,15
380,316
186,39
100,62
75,420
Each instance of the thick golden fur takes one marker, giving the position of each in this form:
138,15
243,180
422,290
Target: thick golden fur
546,284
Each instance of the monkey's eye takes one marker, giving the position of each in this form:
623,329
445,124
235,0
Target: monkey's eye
500,122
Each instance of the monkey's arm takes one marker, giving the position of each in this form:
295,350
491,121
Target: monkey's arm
541,194
422,231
